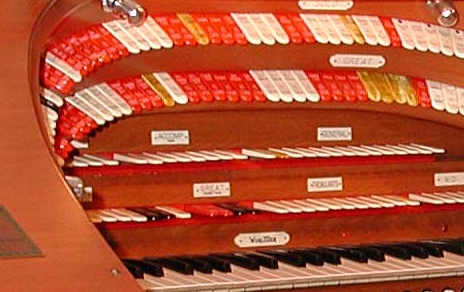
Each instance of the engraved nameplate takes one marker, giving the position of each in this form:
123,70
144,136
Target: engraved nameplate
160,138
326,5
449,179
334,134
324,184
14,243
357,61
262,239
211,190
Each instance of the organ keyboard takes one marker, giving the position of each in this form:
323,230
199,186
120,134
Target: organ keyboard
247,146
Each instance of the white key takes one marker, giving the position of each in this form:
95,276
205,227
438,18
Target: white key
317,151
290,206
424,199
178,213
456,196
367,151
310,91
266,85
460,92
314,26
436,94
302,151
150,160
117,215
356,151
405,200
88,161
366,29
445,36
327,150
243,22
133,215
285,93
431,36
371,203
171,87
289,153
86,108
387,151
97,215
317,205
376,150
408,150
129,159
381,34
451,98
233,154
346,204
265,206
444,198
51,114
161,35
343,33
277,30
330,203
262,28
181,157
114,96
359,204
109,103
343,151
121,35
435,150
147,34
98,106
395,150
194,157
399,203
297,91
418,34
382,203
164,159
258,153
52,97
418,149
458,43
78,163
304,205
63,67
203,156
219,156
404,32
105,161
134,34
164,155
330,29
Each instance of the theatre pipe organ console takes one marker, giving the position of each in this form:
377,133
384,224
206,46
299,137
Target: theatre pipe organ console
241,133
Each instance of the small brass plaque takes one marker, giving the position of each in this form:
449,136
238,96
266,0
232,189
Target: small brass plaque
14,242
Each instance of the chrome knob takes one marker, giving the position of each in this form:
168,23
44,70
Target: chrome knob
126,9
444,11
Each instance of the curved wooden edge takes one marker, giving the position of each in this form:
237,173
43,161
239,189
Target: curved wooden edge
75,257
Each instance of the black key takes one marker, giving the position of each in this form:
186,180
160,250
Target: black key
432,249
198,264
414,249
172,264
286,257
393,250
263,259
163,214
450,245
350,253
151,216
373,253
328,256
134,267
310,256
235,208
239,260
152,269
218,264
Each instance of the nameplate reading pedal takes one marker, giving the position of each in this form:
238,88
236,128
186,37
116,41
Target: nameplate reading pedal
160,138
334,134
326,5
14,243
357,61
324,184
262,239
211,190
449,179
